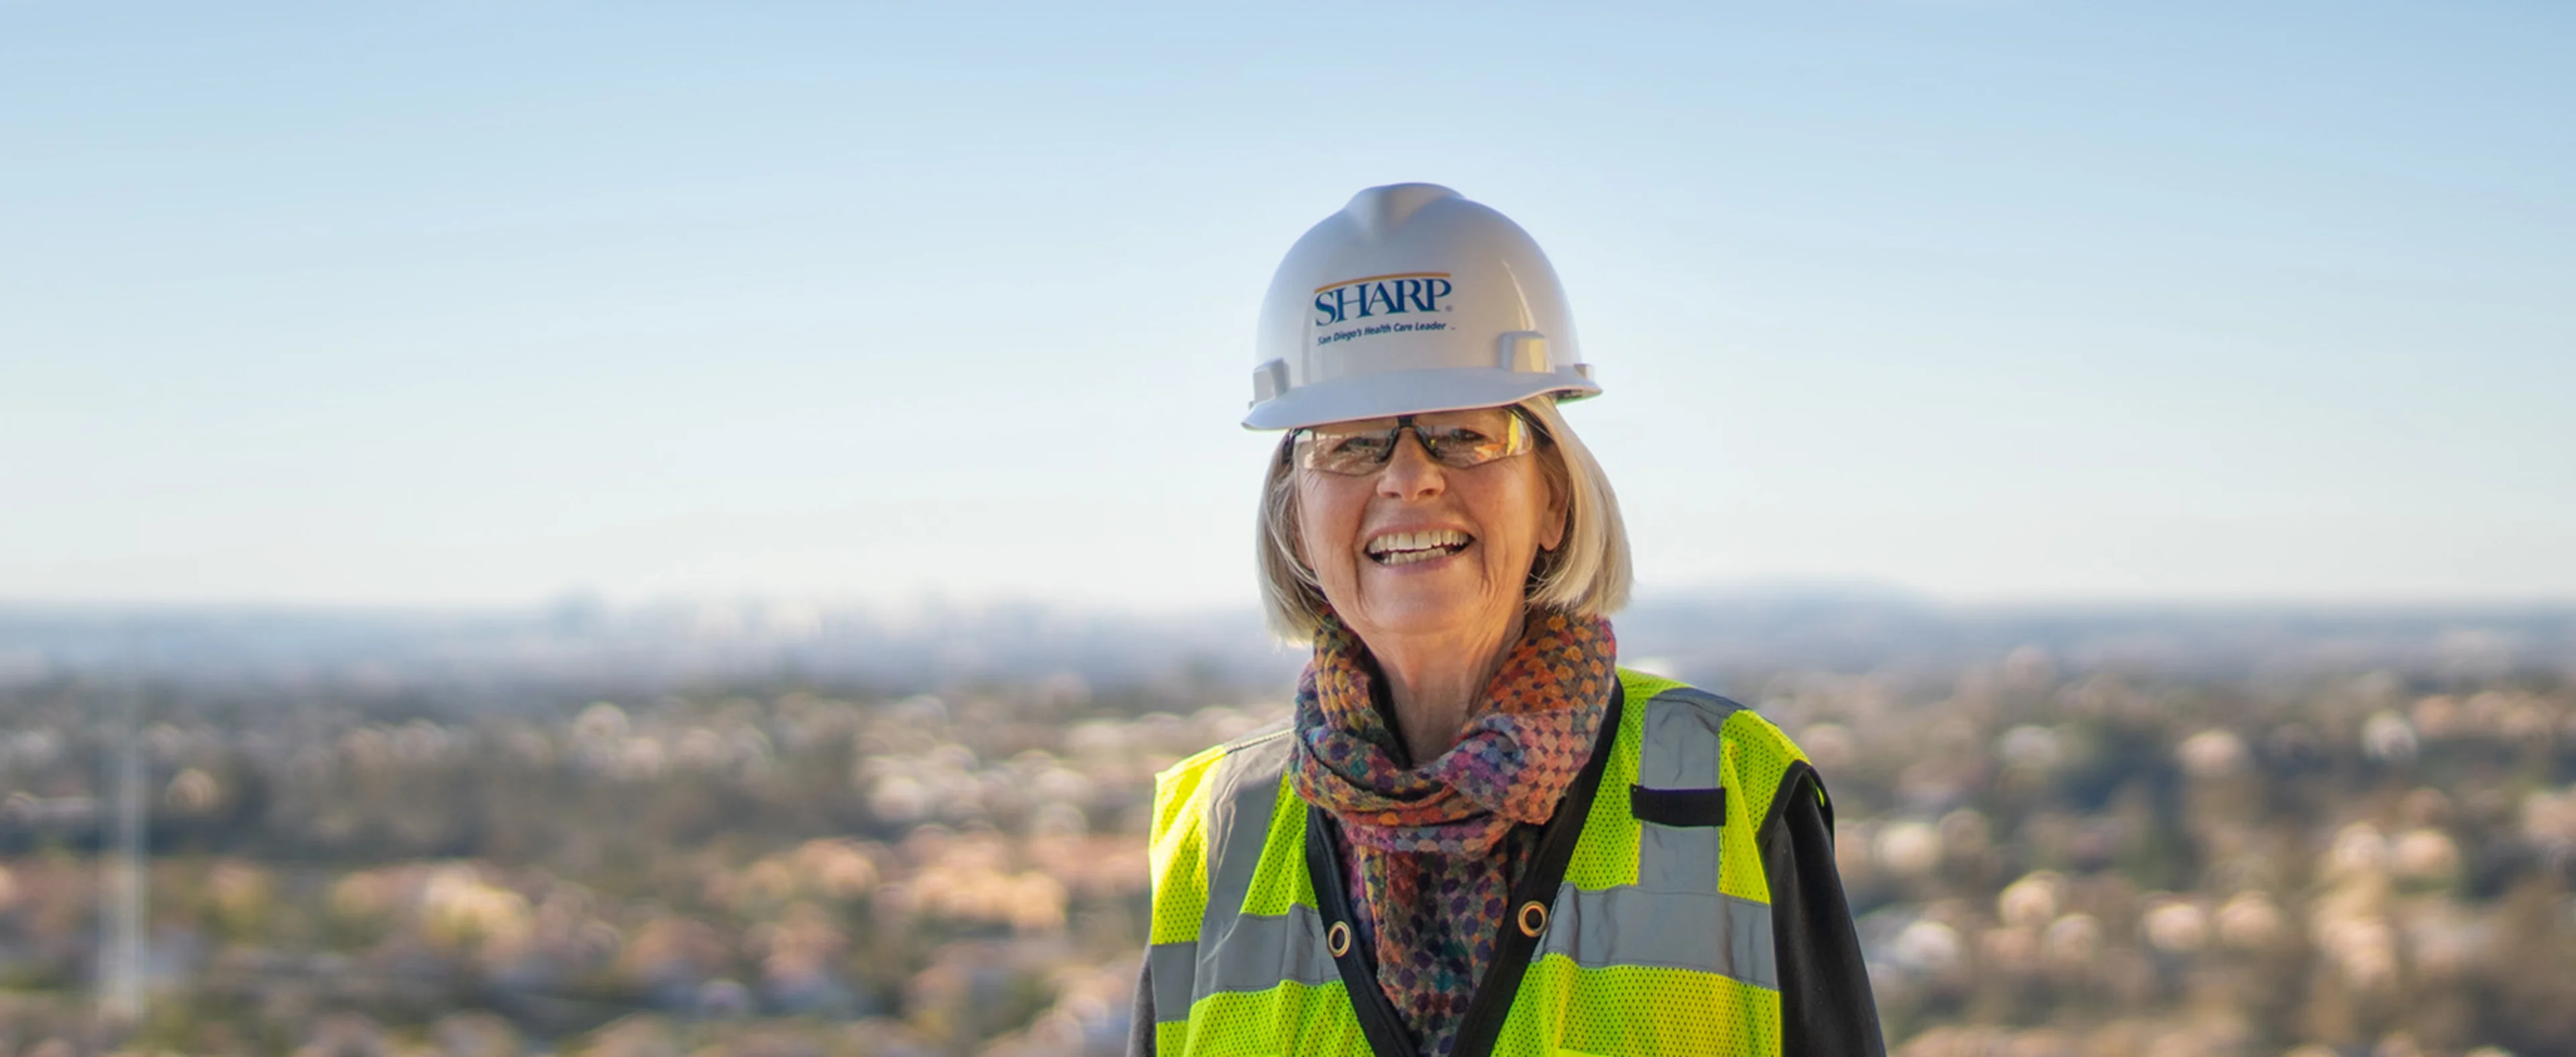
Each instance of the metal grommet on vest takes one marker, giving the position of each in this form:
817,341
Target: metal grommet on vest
1337,939
1533,918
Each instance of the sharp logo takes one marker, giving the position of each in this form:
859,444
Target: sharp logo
1381,295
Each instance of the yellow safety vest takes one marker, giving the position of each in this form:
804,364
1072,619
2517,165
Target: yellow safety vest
1643,926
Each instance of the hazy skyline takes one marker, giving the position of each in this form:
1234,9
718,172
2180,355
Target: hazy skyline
479,304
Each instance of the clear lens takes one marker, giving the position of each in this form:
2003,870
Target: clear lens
1457,439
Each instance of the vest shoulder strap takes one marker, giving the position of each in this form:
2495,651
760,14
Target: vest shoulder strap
1690,735
1194,808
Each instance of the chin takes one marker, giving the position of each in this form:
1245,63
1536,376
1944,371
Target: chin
1413,610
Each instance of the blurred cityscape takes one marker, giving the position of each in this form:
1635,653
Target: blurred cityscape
778,829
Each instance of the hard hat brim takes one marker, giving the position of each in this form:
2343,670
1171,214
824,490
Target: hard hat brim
1415,392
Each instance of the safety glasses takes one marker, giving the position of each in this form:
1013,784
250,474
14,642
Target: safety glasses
1456,439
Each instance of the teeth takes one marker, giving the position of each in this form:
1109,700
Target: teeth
1401,548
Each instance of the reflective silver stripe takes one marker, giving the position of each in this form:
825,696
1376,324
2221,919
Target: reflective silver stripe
1674,916
1676,858
1628,925
1683,728
1682,734
1173,966
1243,791
1265,949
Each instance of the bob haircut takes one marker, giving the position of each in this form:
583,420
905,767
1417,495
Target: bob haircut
1586,575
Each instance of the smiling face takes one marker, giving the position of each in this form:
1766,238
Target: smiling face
1423,549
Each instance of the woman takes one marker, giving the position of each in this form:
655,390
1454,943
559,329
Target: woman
1476,835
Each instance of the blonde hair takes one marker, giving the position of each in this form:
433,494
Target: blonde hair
1586,574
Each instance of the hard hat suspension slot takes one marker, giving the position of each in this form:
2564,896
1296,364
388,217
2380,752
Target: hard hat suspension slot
1522,350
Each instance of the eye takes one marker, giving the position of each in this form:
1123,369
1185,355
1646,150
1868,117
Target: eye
1361,445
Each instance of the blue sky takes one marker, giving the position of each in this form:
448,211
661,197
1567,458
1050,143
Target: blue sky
478,303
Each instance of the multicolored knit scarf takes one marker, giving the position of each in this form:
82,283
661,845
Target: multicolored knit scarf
1433,851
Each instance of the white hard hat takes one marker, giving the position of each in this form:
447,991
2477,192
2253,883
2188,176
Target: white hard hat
1410,300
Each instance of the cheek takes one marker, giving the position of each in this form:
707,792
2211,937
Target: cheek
1325,524
1511,512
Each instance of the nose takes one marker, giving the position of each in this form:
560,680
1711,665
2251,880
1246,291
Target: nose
1410,471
